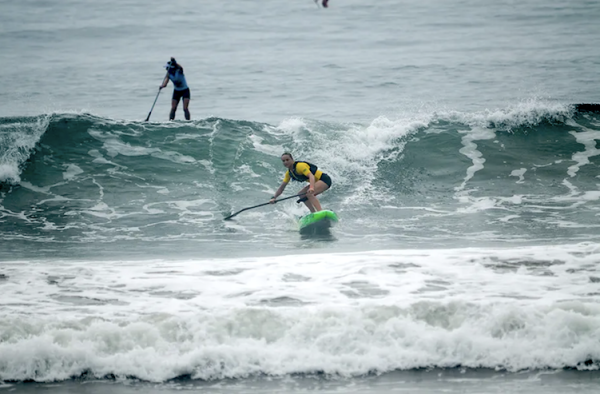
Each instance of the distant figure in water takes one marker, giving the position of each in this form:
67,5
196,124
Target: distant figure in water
181,89
324,2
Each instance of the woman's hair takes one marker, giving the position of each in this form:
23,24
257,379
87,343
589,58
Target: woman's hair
173,65
288,154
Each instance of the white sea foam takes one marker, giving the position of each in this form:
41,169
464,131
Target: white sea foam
16,143
357,150
72,170
470,150
525,113
115,147
519,173
9,173
292,125
347,314
588,138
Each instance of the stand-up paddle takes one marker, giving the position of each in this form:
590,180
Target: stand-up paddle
262,205
150,113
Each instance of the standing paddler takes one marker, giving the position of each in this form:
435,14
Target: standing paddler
180,90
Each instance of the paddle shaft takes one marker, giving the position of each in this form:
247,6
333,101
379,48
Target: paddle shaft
151,109
150,113
262,205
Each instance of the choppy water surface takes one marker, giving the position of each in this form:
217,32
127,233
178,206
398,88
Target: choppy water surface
462,140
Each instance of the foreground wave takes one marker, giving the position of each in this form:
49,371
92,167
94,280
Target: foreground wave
343,342
348,315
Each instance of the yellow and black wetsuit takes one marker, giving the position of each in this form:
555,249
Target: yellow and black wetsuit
300,171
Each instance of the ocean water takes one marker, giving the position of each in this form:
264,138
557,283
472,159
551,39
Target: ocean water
462,138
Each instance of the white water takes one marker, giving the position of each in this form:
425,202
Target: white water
343,314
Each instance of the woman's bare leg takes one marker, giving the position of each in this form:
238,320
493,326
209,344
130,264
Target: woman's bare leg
313,201
174,104
186,111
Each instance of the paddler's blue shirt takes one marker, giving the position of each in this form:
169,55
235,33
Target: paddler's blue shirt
178,79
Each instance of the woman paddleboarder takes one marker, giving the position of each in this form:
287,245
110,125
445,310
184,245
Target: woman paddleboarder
180,90
302,171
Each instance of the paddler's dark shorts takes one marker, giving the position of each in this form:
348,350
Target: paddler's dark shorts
178,94
325,178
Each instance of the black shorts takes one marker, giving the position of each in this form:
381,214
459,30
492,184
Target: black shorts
325,178
178,94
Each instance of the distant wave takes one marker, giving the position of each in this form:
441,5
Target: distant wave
87,179
20,136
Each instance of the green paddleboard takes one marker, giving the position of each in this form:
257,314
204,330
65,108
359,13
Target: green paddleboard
317,222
